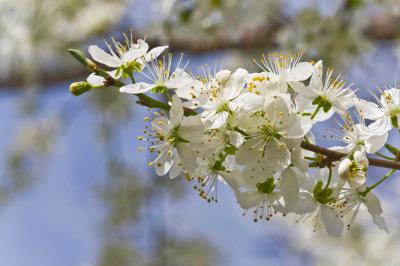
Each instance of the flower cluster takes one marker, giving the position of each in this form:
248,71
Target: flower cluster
252,131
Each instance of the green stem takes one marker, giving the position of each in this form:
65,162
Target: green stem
368,189
384,156
151,103
237,129
132,78
329,178
310,158
316,111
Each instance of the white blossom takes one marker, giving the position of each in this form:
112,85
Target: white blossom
169,138
326,93
252,133
160,77
385,113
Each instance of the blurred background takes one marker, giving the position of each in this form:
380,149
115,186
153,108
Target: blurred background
74,190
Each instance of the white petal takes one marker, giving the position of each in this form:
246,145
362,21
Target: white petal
289,187
380,222
345,149
247,102
277,155
190,91
236,139
235,84
295,127
155,52
95,80
255,173
277,110
297,157
333,224
249,151
369,110
316,78
176,111
303,90
178,79
135,52
383,124
175,169
164,164
191,128
375,143
140,87
213,120
373,204
305,204
101,56
187,157
301,72
249,199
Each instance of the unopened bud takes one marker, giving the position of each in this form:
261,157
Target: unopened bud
79,88
360,158
223,76
344,168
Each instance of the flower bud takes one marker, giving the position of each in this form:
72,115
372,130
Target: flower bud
344,168
78,88
223,76
360,158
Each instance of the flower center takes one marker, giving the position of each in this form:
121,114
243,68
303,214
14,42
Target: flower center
223,108
174,137
126,69
268,131
267,186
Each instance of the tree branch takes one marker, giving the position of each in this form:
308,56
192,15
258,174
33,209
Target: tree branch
336,156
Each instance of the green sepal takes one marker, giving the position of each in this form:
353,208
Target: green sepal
159,89
327,106
394,120
230,150
218,167
317,100
323,195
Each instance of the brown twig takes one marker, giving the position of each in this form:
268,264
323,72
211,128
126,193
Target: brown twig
336,156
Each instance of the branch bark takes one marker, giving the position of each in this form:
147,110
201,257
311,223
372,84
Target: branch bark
336,156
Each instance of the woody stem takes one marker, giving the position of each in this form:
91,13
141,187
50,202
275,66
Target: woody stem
336,156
